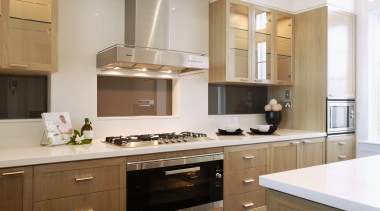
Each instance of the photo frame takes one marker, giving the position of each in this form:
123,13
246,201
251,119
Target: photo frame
57,128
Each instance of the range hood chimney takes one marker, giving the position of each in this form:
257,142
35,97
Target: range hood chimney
161,35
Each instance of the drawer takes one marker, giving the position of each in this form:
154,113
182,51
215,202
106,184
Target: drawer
340,150
243,157
245,201
106,200
243,180
75,178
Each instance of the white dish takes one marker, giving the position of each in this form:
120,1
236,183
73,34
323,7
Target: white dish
230,128
263,128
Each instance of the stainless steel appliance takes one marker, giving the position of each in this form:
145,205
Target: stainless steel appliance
184,183
156,139
340,116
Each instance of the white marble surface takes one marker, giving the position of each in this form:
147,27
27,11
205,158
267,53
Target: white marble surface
21,154
347,185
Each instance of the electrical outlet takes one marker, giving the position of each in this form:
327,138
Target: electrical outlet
287,94
288,104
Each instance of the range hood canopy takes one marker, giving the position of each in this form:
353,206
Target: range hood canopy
149,33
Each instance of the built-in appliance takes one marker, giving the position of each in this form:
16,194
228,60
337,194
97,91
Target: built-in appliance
340,116
156,139
182,183
161,35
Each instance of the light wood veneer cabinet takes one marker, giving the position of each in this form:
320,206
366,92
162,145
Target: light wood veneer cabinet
280,201
81,185
250,44
242,167
289,155
29,35
16,188
340,148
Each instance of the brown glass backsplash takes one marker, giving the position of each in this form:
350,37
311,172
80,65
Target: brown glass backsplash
233,99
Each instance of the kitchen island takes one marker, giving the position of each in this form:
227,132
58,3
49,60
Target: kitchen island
348,185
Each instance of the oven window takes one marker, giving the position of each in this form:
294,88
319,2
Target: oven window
339,116
22,96
123,96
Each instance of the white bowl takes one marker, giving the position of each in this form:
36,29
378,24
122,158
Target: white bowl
230,128
263,128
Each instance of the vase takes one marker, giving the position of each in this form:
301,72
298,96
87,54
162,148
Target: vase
273,118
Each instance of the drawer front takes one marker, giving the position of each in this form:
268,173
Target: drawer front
245,159
243,180
107,200
246,201
75,178
340,150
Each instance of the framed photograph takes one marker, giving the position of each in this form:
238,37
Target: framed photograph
58,128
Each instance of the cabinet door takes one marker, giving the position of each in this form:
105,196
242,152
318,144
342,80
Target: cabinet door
312,152
238,51
284,69
341,55
340,148
29,35
284,155
16,189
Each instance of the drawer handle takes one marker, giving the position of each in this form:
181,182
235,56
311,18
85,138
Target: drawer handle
342,142
83,179
248,180
294,142
19,65
307,141
248,205
12,173
249,157
342,156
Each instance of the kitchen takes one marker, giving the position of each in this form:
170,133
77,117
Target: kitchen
80,38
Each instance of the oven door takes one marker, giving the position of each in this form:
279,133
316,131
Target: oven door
340,116
176,187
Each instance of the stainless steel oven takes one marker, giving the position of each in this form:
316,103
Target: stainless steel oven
183,183
340,116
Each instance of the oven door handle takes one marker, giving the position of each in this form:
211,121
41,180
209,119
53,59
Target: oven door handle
179,171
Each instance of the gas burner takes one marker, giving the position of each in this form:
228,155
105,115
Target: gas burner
156,139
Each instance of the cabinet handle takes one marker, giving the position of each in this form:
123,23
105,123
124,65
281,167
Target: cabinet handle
83,178
249,157
248,180
342,143
342,156
19,65
12,173
248,205
294,142
307,141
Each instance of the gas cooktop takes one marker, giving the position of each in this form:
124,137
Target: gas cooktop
156,139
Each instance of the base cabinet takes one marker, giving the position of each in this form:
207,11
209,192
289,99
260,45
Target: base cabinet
242,167
340,148
82,185
16,188
280,201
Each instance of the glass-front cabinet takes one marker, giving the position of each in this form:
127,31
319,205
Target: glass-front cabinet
250,44
29,39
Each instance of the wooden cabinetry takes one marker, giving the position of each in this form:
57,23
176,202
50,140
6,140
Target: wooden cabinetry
16,188
250,44
280,201
289,155
81,185
242,167
339,148
29,35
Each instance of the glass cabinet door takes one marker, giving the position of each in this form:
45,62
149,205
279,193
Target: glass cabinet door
284,34
238,41
263,45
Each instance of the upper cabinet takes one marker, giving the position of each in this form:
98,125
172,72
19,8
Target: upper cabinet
341,54
250,44
29,35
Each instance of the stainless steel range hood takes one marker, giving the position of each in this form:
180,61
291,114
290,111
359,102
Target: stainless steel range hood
161,35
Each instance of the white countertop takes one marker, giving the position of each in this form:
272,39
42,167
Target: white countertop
347,185
22,155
